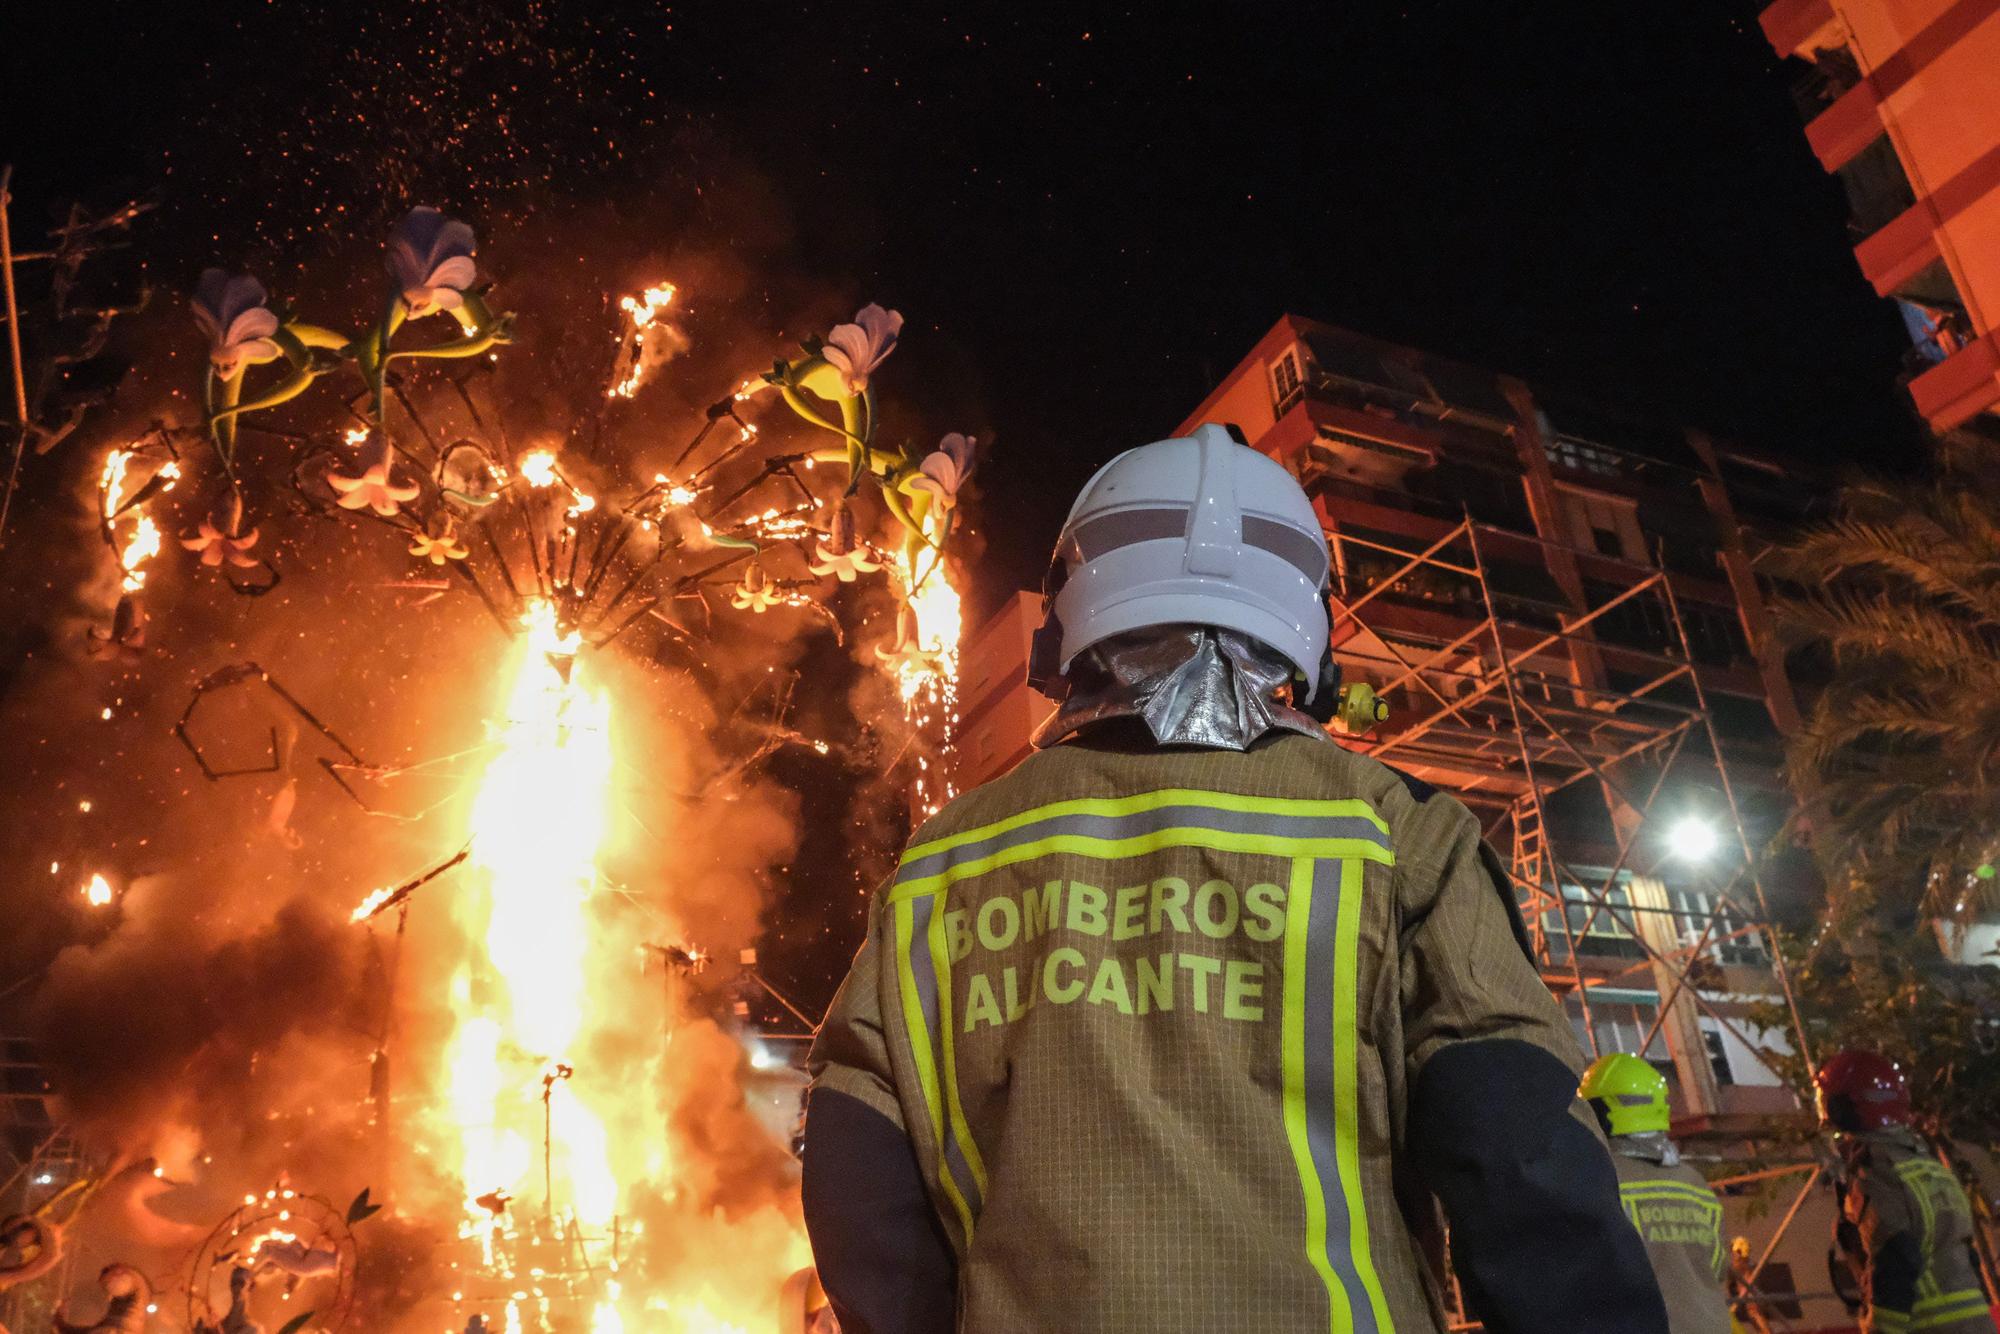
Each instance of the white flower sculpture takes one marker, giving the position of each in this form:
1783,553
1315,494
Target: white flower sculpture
231,310
944,470
857,349
220,537
909,653
839,554
756,593
439,542
374,487
430,257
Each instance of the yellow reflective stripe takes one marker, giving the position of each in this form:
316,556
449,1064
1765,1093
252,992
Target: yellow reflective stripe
1114,849
1346,1074
1146,801
1923,1199
1954,1297
1298,903
1972,1297
1889,1322
941,966
1698,1194
916,1025
1966,1305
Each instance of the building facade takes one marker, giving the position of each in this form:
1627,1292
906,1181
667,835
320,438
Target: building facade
1561,606
1901,100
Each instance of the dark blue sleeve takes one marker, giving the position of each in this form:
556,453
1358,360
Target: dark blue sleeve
882,1256
1538,1238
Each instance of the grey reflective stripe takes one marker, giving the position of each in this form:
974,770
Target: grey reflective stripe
923,973
1304,551
1123,528
1108,532
1150,822
1322,1097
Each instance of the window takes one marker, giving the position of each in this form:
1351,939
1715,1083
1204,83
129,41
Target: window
1285,383
1829,74
1715,634
1469,390
1597,932
1933,313
1877,190
1609,438
1567,451
1621,1026
1608,525
1718,1055
1725,945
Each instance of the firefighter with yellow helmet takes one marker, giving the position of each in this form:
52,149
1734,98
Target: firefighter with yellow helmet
1676,1214
1190,1020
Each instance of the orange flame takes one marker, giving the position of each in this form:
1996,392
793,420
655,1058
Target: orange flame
539,816
539,999
927,670
642,310
142,538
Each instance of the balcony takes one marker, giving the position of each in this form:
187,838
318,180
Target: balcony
1828,76
1960,387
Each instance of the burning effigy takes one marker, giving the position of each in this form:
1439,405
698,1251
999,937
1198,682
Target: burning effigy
446,831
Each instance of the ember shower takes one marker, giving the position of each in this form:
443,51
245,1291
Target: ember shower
516,612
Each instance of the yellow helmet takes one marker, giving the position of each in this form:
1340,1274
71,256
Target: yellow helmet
1629,1094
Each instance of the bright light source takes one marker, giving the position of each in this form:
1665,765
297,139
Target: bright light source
761,1057
98,892
1692,839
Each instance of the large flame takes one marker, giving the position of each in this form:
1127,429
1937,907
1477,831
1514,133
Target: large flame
548,1134
141,540
641,311
927,671
523,1005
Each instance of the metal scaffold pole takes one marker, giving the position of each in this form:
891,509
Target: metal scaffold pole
1534,794
1778,969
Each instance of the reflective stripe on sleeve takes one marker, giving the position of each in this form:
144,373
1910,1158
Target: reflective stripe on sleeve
924,981
1322,1110
1949,1309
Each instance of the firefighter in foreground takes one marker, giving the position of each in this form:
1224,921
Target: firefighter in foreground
1906,1225
1677,1215
1182,1024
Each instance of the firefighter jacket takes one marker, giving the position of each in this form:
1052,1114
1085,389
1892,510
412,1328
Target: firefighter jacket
1914,1226
1680,1220
1157,1026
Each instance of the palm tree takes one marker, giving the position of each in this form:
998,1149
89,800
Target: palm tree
1897,601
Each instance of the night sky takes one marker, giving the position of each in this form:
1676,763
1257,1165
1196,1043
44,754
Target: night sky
1088,212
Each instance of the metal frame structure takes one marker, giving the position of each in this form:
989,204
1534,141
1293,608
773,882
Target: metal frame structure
1550,592
1515,703
52,1162
1526,713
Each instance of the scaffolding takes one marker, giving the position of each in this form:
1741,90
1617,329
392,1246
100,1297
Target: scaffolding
1509,713
45,1167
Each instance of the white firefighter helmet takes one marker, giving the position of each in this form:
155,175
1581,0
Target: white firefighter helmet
1198,530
